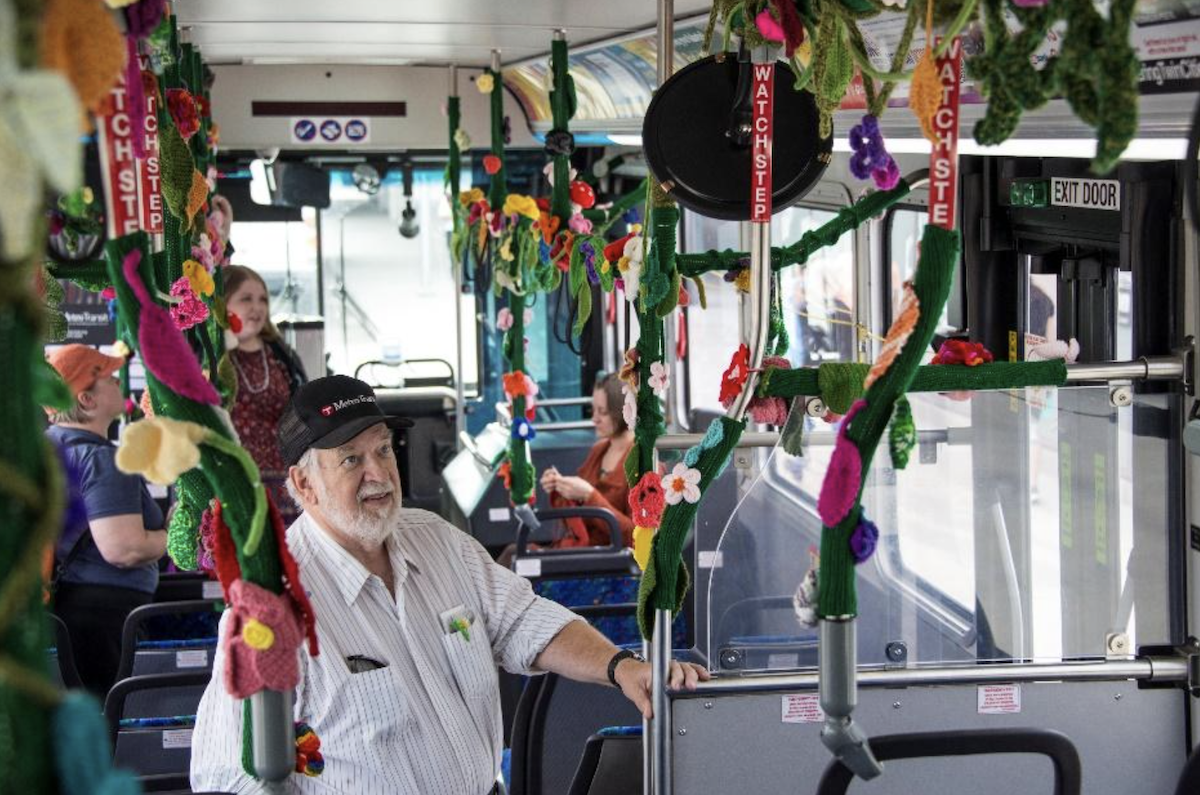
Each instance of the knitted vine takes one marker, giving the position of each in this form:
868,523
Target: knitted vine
840,384
453,178
1096,71
841,492
847,219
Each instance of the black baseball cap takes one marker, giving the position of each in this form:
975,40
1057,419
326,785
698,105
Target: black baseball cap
328,412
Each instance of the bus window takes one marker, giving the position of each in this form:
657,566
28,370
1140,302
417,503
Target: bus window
709,338
389,297
903,241
818,298
284,253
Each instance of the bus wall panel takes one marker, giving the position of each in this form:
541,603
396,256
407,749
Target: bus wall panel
422,89
1129,740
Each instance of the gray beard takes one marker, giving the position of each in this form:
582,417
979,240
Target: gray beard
363,527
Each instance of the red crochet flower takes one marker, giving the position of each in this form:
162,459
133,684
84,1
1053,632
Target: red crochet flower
505,474
515,384
616,249
735,375
191,310
261,639
235,322
962,352
491,164
182,107
647,501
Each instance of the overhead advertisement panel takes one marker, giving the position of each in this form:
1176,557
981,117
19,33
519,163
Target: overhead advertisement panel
615,81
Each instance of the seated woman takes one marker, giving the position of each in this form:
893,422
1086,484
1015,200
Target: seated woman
600,480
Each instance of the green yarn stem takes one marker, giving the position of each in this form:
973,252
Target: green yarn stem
665,580
522,473
31,494
798,253
561,110
498,188
935,273
250,469
91,275
603,219
840,384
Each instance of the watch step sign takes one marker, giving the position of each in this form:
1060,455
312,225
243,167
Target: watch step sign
330,130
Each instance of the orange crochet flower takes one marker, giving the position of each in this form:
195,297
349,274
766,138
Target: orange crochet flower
515,384
81,40
549,225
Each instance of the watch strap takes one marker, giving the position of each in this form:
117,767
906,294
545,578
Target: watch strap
623,654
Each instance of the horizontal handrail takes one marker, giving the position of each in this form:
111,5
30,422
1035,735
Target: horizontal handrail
568,425
683,441
1150,669
569,401
1148,368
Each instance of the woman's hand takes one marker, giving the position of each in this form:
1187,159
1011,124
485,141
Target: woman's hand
550,480
573,488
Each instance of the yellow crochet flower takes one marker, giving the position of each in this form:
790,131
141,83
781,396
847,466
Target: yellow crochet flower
506,250
642,536
258,635
160,449
522,205
200,280
485,83
469,197
121,350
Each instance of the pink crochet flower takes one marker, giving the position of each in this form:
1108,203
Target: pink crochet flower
844,476
768,27
261,639
771,410
191,310
204,552
504,319
579,225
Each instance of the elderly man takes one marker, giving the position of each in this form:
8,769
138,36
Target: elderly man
412,617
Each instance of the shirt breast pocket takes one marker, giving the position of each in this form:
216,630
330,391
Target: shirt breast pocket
471,662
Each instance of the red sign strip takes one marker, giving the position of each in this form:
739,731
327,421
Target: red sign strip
118,165
760,152
149,170
943,160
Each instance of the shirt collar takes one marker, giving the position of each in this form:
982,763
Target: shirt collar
349,574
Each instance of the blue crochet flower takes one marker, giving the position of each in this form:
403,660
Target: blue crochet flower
523,429
544,252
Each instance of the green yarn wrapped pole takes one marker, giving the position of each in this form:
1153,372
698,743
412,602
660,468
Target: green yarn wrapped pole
499,184
562,107
847,219
603,219
840,384
935,272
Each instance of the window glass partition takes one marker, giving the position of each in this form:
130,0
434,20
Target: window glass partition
977,561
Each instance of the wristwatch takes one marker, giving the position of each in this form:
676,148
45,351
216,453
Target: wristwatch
623,654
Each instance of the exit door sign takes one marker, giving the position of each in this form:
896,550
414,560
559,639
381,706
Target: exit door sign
1089,194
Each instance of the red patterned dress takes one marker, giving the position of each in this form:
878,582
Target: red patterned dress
263,394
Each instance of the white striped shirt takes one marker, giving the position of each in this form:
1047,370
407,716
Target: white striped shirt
428,722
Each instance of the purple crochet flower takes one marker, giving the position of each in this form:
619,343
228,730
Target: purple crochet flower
871,158
863,540
589,261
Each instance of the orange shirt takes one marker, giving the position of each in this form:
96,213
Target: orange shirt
611,492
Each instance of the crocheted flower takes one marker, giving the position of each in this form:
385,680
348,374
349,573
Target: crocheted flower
190,310
616,249
735,375
768,27
870,158
629,407
660,378
485,83
515,384
844,476
308,751
516,204
504,472
770,410
523,429
461,139
160,449
121,350
683,484
962,352
199,279
546,223
504,319
863,540
647,501
588,252
472,196
491,164
583,194
182,107
261,638
1053,349
204,551
202,252
506,252
579,225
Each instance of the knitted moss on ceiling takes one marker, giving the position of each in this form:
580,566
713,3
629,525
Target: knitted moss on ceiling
1096,71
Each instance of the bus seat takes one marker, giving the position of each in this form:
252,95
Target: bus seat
195,619
611,763
150,720
1189,779
172,656
554,720
424,449
186,586
63,656
614,559
1055,745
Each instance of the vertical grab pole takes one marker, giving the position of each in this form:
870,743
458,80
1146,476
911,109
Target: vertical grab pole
460,396
657,763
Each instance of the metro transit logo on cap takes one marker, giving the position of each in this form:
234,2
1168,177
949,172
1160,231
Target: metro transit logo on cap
338,405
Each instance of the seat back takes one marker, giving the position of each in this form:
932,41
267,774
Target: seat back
611,764
137,621
425,448
150,720
63,655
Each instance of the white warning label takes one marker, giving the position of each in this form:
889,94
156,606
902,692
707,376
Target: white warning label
177,738
999,699
802,708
